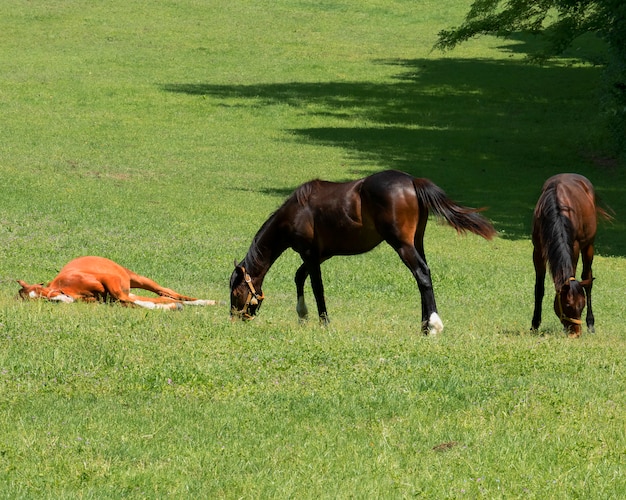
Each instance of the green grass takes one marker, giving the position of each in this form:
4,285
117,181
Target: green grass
162,135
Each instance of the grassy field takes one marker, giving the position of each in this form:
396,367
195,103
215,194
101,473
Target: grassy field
163,134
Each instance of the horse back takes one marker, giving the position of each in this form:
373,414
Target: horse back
91,265
85,276
330,217
573,196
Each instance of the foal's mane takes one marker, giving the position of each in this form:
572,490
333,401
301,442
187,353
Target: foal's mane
557,235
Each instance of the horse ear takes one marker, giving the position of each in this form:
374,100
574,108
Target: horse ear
239,269
587,282
22,283
235,262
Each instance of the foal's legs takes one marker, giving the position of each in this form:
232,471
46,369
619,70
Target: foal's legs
540,278
144,283
121,291
587,275
138,281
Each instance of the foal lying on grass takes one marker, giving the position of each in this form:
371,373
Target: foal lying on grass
92,279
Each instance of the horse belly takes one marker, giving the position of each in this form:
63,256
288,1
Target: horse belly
350,241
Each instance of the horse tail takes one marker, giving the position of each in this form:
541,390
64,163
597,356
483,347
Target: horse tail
461,218
603,211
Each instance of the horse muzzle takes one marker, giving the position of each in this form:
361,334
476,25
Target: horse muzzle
250,308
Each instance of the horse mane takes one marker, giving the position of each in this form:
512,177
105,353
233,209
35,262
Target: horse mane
255,258
557,235
303,193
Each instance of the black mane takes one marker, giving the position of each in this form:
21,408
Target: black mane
557,234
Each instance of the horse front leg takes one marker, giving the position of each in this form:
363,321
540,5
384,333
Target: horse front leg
301,308
540,278
313,266
587,277
416,261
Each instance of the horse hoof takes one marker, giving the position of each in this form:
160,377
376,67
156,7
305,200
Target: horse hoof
301,309
435,325
324,321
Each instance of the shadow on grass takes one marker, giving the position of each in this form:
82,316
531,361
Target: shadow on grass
488,132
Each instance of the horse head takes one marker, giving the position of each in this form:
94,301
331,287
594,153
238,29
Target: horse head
245,300
31,291
569,303
41,291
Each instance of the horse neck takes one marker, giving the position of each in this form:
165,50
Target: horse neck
47,290
267,245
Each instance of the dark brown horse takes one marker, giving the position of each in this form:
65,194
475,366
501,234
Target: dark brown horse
322,219
564,227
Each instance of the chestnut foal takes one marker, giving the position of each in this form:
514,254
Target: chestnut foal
92,279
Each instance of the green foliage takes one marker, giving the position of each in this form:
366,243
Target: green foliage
163,134
559,23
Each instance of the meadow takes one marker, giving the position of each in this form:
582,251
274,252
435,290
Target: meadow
163,134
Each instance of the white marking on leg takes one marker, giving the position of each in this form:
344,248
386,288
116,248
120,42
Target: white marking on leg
145,303
435,325
62,298
199,302
154,305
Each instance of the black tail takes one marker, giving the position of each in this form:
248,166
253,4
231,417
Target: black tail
462,219
603,211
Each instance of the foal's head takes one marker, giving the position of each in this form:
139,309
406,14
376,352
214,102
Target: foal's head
245,299
41,291
31,291
569,303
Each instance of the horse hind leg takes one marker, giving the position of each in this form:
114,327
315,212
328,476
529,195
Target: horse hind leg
144,283
121,292
154,303
416,262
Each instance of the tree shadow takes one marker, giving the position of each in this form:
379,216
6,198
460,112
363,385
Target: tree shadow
588,47
488,132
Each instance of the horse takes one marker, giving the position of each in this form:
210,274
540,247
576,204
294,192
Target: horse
322,219
97,279
564,227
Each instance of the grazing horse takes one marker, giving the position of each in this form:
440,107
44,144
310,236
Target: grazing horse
564,227
91,279
322,219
